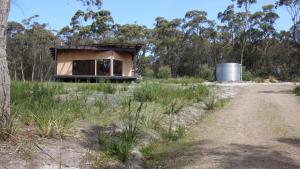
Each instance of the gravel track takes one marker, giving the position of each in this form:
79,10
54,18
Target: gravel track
260,129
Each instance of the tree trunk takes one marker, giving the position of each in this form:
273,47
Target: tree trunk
4,73
15,71
33,71
242,58
22,70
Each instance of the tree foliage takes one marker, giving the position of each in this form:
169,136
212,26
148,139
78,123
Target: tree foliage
186,45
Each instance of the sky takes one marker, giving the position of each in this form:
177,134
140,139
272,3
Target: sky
58,13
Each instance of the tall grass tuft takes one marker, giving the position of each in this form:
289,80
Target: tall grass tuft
119,146
37,103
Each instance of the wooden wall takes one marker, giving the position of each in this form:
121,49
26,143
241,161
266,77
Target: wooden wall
65,58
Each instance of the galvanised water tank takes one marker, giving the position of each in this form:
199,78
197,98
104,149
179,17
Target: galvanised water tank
228,72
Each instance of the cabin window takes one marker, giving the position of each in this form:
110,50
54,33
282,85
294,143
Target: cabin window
103,67
118,68
84,67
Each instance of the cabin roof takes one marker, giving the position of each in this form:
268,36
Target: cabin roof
120,47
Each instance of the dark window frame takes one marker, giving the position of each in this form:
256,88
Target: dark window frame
87,68
118,68
103,67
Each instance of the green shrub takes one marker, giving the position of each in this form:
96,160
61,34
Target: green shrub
153,120
206,73
147,150
175,135
248,76
164,72
117,146
258,80
201,92
273,79
297,90
149,73
147,92
212,102
172,109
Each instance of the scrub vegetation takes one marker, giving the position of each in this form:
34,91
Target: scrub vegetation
52,111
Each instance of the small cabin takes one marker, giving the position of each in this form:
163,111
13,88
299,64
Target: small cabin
92,63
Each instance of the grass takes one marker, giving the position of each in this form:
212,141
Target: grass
38,104
52,109
106,88
161,93
182,81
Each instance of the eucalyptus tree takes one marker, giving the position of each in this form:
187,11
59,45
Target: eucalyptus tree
230,31
15,46
4,72
197,29
293,8
88,27
168,40
244,16
262,27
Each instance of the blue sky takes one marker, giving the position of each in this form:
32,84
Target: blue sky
58,13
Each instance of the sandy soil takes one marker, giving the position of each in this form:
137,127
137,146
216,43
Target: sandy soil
258,129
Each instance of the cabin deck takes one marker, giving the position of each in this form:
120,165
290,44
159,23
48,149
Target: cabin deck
93,79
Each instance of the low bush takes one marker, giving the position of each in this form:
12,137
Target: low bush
149,73
147,92
172,109
119,146
212,102
297,90
147,150
175,135
201,92
152,120
273,79
258,80
164,72
206,73
248,76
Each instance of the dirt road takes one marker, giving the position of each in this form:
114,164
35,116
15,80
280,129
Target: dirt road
258,129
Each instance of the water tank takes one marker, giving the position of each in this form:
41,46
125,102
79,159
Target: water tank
228,72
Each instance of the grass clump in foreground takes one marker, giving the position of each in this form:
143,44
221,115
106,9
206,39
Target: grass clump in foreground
120,145
297,90
39,104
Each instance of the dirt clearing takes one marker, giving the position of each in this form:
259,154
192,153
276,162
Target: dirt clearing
258,129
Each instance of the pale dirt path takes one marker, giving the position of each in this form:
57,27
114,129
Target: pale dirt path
258,129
